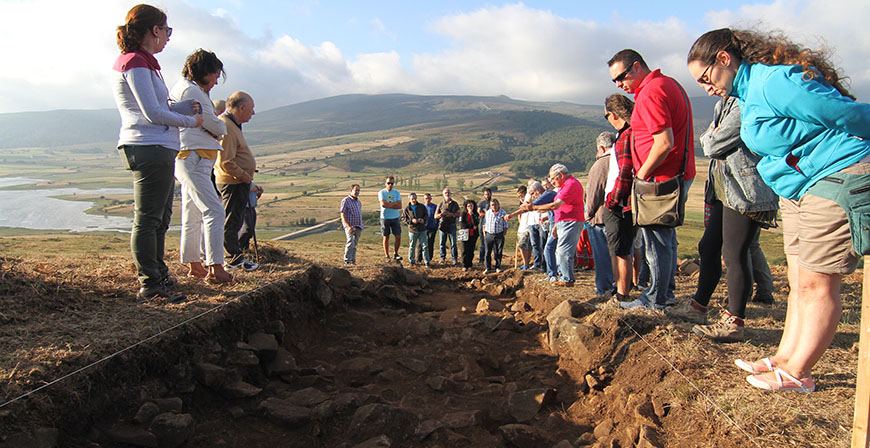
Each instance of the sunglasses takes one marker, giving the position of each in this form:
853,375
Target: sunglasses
389,183
621,76
705,79
168,30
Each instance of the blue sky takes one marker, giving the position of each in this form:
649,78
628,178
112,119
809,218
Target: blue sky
284,52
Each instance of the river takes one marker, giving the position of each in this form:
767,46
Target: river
40,209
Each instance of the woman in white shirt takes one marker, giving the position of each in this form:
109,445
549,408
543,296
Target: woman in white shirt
202,213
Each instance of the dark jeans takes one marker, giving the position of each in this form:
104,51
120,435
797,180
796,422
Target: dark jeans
739,231
248,228
430,238
153,168
494,246
468,250
235,200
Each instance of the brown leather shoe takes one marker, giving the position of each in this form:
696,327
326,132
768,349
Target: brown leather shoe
565,284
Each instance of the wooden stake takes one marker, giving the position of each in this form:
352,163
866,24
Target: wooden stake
861,425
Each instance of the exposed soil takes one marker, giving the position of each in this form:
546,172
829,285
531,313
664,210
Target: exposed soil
383,353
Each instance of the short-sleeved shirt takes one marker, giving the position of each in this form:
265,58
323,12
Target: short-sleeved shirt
571,194
494,222
483,205
660,104
390,196
545,198
448,207
352,209
525,218
431,222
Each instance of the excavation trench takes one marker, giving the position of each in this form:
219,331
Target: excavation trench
326,359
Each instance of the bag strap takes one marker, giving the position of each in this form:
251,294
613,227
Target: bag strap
688,128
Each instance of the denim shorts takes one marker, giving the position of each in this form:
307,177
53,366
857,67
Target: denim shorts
524,240
391,226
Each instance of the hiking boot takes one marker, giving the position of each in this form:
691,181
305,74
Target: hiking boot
159,291
243,263
728,329
397,257
169,281
690,311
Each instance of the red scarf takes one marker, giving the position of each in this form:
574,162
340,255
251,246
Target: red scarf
136,59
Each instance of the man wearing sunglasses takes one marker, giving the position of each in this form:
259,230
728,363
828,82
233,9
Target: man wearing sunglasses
391,208
662,135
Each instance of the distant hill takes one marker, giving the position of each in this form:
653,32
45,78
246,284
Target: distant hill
59,128
351,114
327,117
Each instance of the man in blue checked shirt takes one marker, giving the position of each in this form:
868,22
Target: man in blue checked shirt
494,228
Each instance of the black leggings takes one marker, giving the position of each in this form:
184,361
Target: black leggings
737,231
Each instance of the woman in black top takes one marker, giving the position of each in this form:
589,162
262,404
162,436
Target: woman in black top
470,221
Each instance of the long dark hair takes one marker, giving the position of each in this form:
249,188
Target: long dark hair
200,64
771,48
140,20
470,201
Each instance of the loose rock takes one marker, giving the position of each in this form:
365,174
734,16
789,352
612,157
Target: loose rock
285,412
172,430
524,405
146,412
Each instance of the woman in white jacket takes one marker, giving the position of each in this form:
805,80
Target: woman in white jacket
201,208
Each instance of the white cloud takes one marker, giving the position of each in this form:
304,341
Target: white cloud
840,25
515,50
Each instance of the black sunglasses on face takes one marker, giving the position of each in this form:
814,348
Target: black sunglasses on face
168,30
621,76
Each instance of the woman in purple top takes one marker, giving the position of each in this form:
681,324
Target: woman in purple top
148,143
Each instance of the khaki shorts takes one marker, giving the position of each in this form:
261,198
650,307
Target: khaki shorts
817,231
524,241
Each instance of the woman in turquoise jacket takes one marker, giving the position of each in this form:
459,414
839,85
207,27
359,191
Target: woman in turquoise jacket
811,135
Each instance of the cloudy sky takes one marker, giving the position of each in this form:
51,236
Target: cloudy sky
57,54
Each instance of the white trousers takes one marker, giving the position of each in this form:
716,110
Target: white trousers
201,209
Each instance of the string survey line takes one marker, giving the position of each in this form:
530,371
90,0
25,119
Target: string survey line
128,348
691,383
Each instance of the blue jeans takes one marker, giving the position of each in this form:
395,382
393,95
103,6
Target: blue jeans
550,256
566,248
451,234
538,239
660,244
601,256
421,238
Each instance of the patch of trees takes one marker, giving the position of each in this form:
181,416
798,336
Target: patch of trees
466,157
306,222
538,122
573,147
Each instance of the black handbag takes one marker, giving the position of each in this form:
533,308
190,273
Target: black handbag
661,203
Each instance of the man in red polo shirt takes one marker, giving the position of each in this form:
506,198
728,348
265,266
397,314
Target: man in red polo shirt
568,210
662,131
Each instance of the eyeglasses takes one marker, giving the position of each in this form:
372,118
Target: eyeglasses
705,79
168,30
606,114
621,76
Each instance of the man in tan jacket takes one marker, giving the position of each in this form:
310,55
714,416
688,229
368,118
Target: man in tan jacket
234,172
